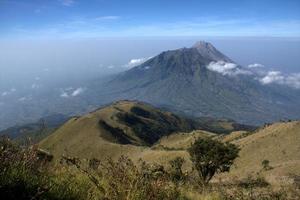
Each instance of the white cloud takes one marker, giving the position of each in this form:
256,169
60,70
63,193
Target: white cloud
64,95
272,77
291,80
257,73
226,68
108,17
77,92
136,61
256,65
70,92
4,93
221,67
67,2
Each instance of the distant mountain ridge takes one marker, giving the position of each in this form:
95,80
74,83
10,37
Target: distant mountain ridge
34,132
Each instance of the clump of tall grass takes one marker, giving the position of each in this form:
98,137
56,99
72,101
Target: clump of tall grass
122,179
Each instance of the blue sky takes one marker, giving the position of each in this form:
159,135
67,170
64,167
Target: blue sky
112,18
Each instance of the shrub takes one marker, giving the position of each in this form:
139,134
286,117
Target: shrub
252,182
266,165
176,169
210,157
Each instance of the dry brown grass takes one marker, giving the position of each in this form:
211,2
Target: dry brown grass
278,143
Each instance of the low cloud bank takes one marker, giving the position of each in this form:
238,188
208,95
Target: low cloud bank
136,61
226,68
258,72
292,80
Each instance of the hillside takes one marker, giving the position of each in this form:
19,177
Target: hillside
278,143
128,123
141,131
103,131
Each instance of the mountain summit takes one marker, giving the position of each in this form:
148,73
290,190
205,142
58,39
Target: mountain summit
207,50
184,81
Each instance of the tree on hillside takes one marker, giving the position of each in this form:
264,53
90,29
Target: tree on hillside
210,157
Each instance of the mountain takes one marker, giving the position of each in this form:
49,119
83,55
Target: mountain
187,81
